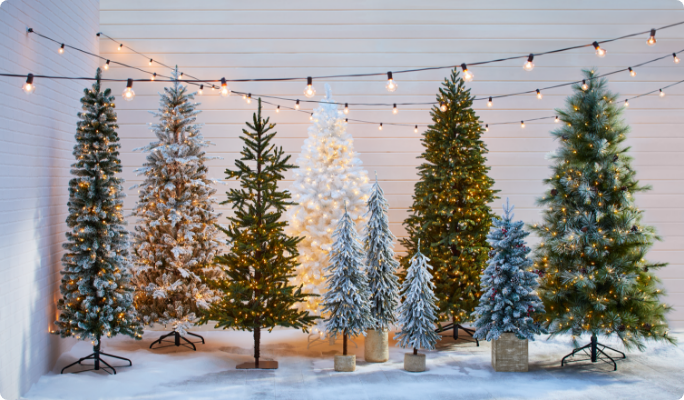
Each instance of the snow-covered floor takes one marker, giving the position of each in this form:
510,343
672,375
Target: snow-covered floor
457,370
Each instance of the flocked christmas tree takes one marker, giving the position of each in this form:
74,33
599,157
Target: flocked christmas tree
418,312
592,259
450,211
509,302
97,297
175,239
329,176
256,292
381,267
346,302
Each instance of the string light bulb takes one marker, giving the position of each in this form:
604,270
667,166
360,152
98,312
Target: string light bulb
181,75
584,85
529,65
346,108
278,109
675,58
201,89
490,103
394,109
297,105
415,129
631,71
61,49
150,63
309,91
486,127
154,75
626,103
391,85
346,120
467,75
225,90
661,94
29,87
380,127
120,46
522,124
599,51
442,106
248,99
556,120
311,117
106,66
651,40
128,93
539,95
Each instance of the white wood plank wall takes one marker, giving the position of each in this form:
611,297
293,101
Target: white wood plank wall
271,38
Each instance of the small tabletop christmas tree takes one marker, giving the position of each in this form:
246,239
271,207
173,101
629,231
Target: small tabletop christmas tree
347,298
592,259
509,302
97,297
255,292
418,310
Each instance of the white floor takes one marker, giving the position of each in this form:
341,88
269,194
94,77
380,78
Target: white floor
457,370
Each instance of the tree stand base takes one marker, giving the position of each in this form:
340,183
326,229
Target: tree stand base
178,340
262,365
595,352
414,362
345,363
96,356
455,327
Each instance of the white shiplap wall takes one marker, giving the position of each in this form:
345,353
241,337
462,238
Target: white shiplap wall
272,38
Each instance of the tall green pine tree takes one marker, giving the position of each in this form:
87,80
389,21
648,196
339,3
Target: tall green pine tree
450,211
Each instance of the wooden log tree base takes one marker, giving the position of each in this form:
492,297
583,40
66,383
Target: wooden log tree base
262,365
509,354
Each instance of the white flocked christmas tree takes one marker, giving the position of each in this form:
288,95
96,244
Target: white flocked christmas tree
418,311
346,303
508,302
329,176
381,267
176,236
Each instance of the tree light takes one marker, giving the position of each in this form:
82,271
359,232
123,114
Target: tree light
584,85
106,66
391,85
490,103
61,49
297,105
309,91
631,71
200,89
539,95
442,106
467,75
346,108
652,40
529,65
29,87
225,90
394,109
661,94
128,93
599,51
675,58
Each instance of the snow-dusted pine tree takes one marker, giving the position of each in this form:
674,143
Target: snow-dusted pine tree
175,240
508,302
381,267
347,298
329,175
97,297
418,310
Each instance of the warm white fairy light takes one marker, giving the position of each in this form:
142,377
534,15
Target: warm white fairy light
556,119
661,94
394,109
675,58
154,75
467,75
539,95
626,103
522,124
599,51
201,90
442,106
391,85
278,109
380,127
584,85
529,65
61,49
632,72
652,40
490,103
225,90
346,108
415,129
120,47
29,87
297,105
106,65
309,90
150,63
128,93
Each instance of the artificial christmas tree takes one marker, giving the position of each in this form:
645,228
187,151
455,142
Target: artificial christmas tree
509,306
329,176
175,239
418,312
381,269
97,296
347,298
255,292
594,276
450,211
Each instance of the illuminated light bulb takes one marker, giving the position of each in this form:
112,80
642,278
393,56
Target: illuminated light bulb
599,51
539,95
394,109
675,58
29,87
652,40
486,127
128,93
584,85
415,129
278,109
309,91
181,75
311,117
249,98
150,63
346,120
626,103
201,89
522,124
106,66
442,106
346,108
61,49
556,120
661,94
631,71
297,105
225,90
213,88
529,65
380,127
490,103
467,75
154,75
120,47
391,85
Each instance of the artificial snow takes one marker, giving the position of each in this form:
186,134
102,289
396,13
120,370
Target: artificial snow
456,369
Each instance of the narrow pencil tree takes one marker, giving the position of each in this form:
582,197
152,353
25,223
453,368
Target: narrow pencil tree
97,297
175,239
509,302
347,298
381,267
418,310
592,257
255,292
451,212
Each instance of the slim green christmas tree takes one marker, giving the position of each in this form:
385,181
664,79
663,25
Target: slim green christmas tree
595,278
450,211
255,292
97,297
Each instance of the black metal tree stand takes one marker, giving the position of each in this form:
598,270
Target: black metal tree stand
177,340
96,356
453,325
596,352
